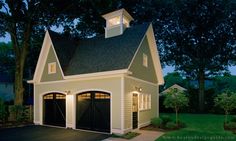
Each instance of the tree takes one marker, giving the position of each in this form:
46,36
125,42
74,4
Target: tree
199,40
25,21
176,100
173,78
227,102
6,57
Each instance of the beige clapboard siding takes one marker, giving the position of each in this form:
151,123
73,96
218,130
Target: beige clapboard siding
147,88
137,68
112,85
50,59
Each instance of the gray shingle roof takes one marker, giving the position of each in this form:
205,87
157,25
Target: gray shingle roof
98,54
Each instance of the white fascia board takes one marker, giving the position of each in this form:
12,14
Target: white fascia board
47,43
155,55
105,73
42,57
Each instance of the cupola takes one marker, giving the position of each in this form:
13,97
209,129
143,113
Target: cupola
116,22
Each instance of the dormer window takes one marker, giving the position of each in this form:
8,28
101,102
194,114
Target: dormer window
52,68
114,21
145,60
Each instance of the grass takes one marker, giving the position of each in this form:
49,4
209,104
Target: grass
200,127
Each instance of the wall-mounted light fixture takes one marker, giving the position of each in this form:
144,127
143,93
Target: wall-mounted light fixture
67,92
139,89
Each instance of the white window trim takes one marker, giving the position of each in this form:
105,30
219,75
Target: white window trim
49,70
144,105
145,60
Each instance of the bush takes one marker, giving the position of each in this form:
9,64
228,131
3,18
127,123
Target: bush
171,125
157,122
181,124
230,126
165,119
3,111
233,119
18,111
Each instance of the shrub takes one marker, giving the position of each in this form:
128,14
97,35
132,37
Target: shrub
156,122
230,126
18,111
165,119
171,125
3,111
181,124
233,119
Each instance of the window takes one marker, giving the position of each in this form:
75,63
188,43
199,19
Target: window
145,60
144,101
51,68
114,21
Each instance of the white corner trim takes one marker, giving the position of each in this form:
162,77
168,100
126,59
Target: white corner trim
122,102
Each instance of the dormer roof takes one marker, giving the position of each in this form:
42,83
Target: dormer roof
117,13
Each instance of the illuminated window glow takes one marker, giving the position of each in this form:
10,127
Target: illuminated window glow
52,68
114,21
144,101
145,60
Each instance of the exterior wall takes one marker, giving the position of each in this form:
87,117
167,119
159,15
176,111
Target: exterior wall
55,76
6,91
137,68
144,115
111,85
113,31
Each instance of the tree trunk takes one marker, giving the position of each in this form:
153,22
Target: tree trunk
176,116
21,54
201,77
19,88
226,116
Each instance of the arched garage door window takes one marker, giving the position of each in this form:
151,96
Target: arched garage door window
54,109
93,111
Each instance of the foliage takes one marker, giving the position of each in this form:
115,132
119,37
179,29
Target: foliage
176,100
128,135
199,39
157,122
227,102
18,111
225,82
230,126
173,78
3,111
26,22
171,125
165,119
6,57
199,125
233,119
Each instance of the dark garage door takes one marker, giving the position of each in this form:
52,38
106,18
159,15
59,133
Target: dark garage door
54,109
93,111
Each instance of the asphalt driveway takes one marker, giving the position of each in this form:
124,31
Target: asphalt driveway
43,133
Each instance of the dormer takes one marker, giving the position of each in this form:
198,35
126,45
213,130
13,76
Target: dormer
116,22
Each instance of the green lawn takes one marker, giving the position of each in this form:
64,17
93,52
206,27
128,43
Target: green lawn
200,127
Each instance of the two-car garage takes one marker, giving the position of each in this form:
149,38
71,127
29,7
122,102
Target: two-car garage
92,110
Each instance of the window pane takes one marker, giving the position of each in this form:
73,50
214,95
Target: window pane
114,21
